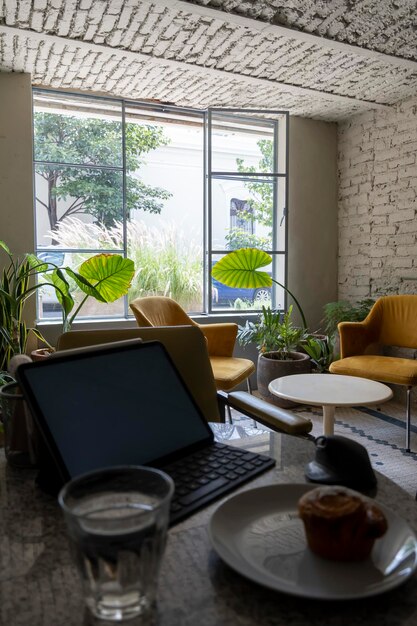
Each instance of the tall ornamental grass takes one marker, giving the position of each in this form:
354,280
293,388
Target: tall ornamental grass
167,260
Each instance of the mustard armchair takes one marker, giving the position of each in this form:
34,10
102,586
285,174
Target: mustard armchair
228,371
392,321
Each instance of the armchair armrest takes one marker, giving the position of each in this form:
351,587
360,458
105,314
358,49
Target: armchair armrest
221,338
355,337
268,414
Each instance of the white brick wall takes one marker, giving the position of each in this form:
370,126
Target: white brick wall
378,203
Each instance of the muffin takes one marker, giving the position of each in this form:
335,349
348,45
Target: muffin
340,524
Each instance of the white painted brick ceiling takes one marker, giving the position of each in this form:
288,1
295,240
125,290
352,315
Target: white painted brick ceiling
387,26
190,54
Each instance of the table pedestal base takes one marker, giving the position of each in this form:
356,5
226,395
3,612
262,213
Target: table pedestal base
328,420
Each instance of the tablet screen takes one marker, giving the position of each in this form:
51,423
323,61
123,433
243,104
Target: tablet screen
122,405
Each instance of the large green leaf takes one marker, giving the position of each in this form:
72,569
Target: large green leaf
240,268
62,291
84,284
109,274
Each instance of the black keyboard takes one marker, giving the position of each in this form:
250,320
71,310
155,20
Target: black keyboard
209,473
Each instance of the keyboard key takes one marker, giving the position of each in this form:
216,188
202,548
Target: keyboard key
205,490
203,480
249,456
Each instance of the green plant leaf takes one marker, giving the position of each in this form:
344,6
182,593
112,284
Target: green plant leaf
84,284
5,247
109,274
62,291
240,269
35,263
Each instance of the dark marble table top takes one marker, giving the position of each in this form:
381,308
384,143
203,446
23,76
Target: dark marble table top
39,585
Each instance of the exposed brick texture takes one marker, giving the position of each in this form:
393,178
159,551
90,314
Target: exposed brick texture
387,26
378,203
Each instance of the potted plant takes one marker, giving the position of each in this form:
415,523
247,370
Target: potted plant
320,351
277,339
105,277
344,311
17,284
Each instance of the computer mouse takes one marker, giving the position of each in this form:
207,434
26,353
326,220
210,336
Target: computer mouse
341,461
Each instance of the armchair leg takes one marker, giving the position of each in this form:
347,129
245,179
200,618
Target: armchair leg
229,413
408,421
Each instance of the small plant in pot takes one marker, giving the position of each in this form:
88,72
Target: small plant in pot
277,339
320,351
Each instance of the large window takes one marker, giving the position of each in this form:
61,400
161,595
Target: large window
173,189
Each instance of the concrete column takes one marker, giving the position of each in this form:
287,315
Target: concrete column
16,169
312,216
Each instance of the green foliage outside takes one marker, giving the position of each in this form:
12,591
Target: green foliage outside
97,191
238,238
262,194
167,260
259,206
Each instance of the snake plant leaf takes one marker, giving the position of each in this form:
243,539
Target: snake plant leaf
240,268
110,275
5,247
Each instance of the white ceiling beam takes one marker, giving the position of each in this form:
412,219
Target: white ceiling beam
282,31
158,61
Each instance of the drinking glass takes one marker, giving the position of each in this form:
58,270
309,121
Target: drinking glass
117,520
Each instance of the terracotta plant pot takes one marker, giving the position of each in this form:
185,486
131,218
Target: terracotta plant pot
41,353
270,368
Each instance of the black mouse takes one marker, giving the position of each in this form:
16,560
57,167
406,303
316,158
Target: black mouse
341,461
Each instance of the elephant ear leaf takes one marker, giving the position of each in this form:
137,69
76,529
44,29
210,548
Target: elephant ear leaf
62,291
84,284
240,268
106,276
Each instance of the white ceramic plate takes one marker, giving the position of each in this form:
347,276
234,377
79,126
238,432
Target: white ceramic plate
259,534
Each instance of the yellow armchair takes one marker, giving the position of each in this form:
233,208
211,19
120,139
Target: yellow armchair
392,321
228,371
